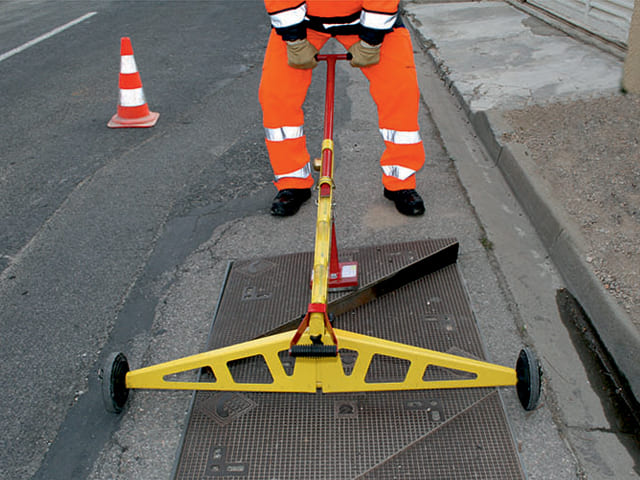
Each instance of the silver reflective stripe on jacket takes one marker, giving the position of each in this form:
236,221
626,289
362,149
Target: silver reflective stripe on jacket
378,21
396,171
287,18
399,137
304,172
283,133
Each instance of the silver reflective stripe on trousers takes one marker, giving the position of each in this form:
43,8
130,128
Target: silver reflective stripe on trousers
133,97
378,21
399,137
396,171
287,18
283,133
304,172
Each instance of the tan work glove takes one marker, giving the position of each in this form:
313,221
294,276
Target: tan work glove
364,55
301,54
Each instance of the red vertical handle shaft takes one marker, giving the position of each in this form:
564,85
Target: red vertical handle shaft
330,93
327,154
329,101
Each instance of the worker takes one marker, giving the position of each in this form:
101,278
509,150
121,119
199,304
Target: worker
380,45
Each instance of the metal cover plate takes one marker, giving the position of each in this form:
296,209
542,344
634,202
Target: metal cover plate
453,434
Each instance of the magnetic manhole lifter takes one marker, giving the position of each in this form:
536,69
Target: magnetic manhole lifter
315,343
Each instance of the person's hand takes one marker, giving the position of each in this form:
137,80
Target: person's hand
364,55
301,54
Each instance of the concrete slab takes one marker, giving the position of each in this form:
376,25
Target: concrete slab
500,57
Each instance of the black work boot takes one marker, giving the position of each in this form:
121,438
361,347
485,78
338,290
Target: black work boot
407,202
288,201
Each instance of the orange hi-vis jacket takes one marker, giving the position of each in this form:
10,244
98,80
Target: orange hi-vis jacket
393,84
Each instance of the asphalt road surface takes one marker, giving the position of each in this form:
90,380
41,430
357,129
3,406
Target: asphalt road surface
84,209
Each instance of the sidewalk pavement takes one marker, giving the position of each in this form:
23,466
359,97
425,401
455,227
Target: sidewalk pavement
549,110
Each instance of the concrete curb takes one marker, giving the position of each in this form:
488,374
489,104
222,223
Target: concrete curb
566,247
557,231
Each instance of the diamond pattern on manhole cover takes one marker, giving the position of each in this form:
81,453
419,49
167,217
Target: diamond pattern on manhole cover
224,407
449,433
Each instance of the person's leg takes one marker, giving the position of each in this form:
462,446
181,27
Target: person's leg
394,87
282,93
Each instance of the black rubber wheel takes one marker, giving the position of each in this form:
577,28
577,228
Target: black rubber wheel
114,390
529,376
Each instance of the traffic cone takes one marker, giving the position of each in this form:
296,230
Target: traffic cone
133,110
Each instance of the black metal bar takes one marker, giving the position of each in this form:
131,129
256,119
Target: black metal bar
412,272
420,268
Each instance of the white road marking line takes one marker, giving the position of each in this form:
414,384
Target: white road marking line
46,36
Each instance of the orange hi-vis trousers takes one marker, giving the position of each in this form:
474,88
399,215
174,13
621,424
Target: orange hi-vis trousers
394,88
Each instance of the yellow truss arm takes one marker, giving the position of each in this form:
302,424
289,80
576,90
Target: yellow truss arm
327,373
